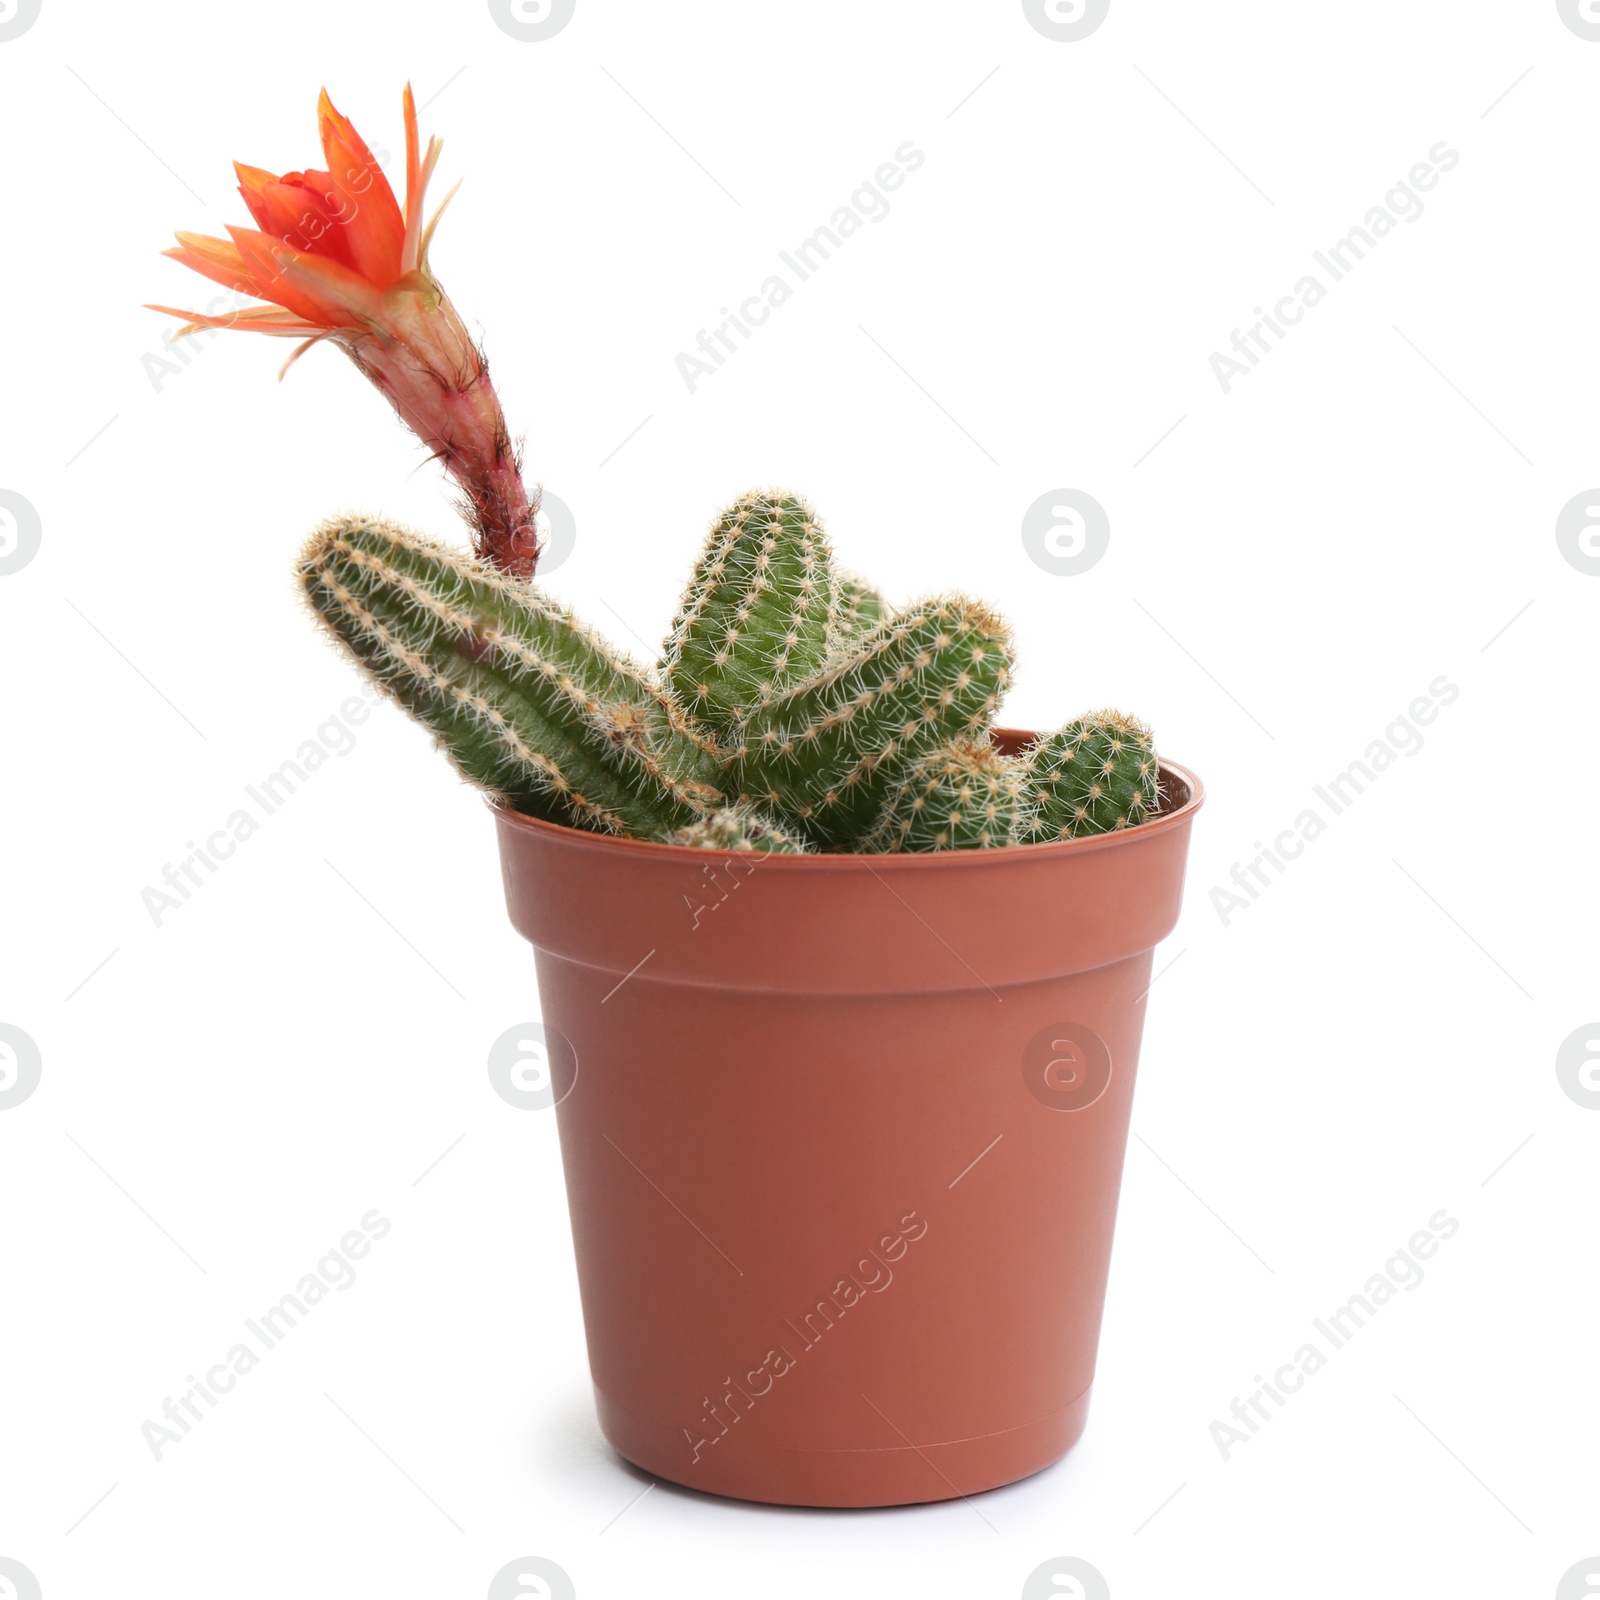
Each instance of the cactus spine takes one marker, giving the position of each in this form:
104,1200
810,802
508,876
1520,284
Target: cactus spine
526,701
755,616
964,796
1095,775
827,752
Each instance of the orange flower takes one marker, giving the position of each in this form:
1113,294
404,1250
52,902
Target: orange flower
337,258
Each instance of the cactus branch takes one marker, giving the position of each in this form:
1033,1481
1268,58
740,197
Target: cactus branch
965,796
528,703
1097,774
740,827
754,618
828,752
857,609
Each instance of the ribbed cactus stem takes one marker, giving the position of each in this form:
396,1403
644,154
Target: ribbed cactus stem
1097,774
754,618
857,609
740,827
527,702
964,796
828,752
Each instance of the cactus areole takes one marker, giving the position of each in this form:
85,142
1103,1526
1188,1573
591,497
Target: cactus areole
789,888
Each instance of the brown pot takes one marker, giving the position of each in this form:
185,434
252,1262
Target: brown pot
843,1137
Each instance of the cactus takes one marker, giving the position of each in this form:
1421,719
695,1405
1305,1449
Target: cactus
792,708
827,752
964,796
527,702
884,748
1095,775
739,827
754,618
857,609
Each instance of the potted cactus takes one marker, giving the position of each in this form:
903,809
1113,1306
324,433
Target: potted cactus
843,985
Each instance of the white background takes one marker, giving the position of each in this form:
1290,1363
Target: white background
226,1094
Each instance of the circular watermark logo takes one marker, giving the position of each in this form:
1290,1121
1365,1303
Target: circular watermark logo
1066,1578
558,532
1066,1066
20,1068
533,1067
1066,21
532,20
16,17
1581,1582
16,1582
531,1578
1065,532
1578,529
1582,16
1578,1070
20,529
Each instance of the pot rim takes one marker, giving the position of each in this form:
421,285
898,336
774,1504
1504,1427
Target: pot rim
894,861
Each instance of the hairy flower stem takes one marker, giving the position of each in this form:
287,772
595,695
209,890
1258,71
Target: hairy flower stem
425,362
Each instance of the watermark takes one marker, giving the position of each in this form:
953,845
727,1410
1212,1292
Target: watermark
1066,1066
1577,1066
1403,203
21,532
533,1066
1581,1582
869,1274
1403,737
1403,1270
532,21
21,1066
1065,1578
1066,21
869,203
1065,532
718,880
558,532
1577,533
16,1582
185,878
1582,16
531,1578
16,17
334,1272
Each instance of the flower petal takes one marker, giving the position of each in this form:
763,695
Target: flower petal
411,253
374,227
300,214
250,319
269,261
215,259
252,180
357,303
322,291
413,160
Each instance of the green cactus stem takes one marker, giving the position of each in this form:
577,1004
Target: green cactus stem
527,702
827,753
858,608
754,619
1095,775
740,827
964,796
